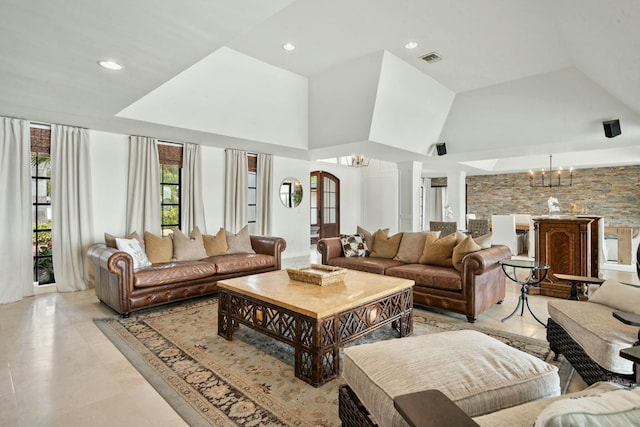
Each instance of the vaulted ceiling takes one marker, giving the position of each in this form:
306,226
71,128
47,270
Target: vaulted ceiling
518,79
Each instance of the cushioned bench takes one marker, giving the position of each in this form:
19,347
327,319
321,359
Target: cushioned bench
479,373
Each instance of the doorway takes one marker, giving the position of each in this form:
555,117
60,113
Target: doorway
325,205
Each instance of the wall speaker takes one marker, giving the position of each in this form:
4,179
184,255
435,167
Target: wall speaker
442,148
611,128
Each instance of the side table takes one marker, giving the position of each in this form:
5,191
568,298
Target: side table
574,281
631,353
532,266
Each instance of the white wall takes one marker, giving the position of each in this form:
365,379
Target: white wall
292,224
243,98
109,153
379,194
368,196
410,108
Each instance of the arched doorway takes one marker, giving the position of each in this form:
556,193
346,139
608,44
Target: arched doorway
325,205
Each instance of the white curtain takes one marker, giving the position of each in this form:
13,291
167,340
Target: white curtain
192,205
16,258
264,184
72,217
143,189
235,194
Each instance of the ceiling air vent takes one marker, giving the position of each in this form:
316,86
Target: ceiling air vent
431,57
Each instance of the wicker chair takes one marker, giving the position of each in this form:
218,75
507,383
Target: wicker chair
562,342
478,227
444,227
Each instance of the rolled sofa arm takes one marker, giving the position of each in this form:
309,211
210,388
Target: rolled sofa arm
269,245
485,260
329,248
113,276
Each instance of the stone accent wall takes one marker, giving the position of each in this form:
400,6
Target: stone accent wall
613,193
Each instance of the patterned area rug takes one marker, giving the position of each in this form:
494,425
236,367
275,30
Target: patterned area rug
250,380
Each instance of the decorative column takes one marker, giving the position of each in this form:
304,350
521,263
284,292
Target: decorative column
456,195
409,176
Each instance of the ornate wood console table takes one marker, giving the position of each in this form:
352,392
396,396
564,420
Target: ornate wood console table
569,245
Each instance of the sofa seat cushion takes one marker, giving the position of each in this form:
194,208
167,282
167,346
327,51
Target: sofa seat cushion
172,272
431,276
594,328
525,415
366,264
238,263
479,373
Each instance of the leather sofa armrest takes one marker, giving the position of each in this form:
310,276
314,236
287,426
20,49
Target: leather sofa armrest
269,245
329,248
100,254
485,260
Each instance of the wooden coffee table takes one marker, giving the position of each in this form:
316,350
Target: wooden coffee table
316,320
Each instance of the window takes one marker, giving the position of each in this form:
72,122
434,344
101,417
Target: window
170,156
41,206
252,189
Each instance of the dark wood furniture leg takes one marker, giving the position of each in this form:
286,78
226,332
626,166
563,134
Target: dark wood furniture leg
574,281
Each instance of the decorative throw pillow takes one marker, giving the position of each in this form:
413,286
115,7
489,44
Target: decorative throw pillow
353,245
110,240
621,296
463,248
239,243
216,245
188,248
385,246
438,251
485,241
368,237
158,248
133,248
612,408
411,246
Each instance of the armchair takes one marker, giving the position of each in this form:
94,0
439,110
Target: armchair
444,227
595,336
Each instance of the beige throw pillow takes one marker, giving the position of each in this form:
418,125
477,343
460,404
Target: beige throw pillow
612,408
385,246
216,245
620,296
133,248
239,243
110,240
412,245
438,251
159,249
188,248
467,246
485,241
368,237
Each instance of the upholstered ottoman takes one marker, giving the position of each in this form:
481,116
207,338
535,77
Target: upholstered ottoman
479,373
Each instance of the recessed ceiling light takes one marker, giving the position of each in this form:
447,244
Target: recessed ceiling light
110,65
411,45
289,46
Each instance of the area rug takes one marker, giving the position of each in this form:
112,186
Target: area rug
250,381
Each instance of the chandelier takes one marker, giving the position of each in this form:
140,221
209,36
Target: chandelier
550,184
357,161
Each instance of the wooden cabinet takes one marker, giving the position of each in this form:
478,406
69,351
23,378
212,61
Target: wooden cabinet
569,245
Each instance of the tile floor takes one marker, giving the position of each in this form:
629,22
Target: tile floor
58,369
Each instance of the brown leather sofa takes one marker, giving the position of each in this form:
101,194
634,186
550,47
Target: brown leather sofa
479,285
125,290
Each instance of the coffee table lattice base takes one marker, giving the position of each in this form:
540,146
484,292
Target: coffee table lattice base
317,342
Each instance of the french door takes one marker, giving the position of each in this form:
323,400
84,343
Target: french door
325,205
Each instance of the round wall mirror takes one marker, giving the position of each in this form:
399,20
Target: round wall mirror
290,192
